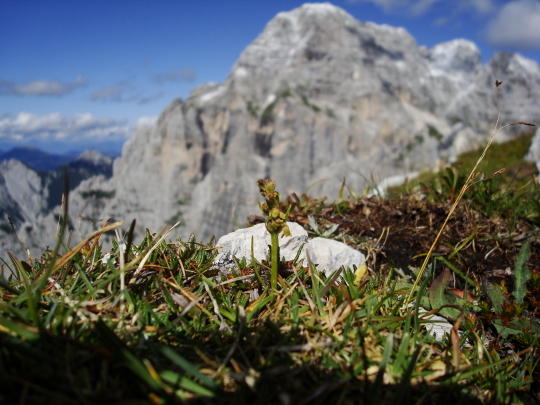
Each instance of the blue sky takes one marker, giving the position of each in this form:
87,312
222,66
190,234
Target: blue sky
83,74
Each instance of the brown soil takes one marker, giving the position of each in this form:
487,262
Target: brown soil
400,232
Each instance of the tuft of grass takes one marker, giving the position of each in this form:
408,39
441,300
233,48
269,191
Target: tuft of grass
183,337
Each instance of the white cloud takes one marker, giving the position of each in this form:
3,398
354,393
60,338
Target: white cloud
480,6
439,22
122,92
41,87
413,7
516,26
147,99
111,93
182,75
56,126
386,5
422,7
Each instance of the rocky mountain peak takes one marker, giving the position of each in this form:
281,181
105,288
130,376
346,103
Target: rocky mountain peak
300,47
459,57
94,157
505,63
303,33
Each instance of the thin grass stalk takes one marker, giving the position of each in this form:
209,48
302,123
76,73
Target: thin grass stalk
121,246
65,211
18,240
274,258
315,284
69,255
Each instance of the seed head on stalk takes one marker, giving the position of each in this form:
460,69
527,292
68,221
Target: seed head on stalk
276,222
276,217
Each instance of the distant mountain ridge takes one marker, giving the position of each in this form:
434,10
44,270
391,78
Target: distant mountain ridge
36,158
40,160
317,95
27,196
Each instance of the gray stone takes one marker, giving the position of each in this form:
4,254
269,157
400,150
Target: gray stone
477,105
317,95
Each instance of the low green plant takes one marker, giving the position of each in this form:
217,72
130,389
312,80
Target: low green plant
98,194
307,103
445,186
319,232
492,196
521,273
305,204
253,109
434,133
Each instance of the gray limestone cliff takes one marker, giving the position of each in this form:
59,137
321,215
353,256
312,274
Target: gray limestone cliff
31,199
317,95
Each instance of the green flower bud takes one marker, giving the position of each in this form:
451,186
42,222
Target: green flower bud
286,231
270,185
274,213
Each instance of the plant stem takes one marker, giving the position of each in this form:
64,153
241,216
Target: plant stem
274,256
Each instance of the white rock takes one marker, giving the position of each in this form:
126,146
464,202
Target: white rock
238,244
438,327
327,254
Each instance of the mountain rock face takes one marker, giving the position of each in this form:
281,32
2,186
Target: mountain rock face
477,106
31,198
317,95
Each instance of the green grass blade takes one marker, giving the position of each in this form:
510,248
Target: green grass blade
496,297
186,384
24,331
188,367
461,245
315,284
402,391
32,304
457,271
377,385
132,362
522,273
